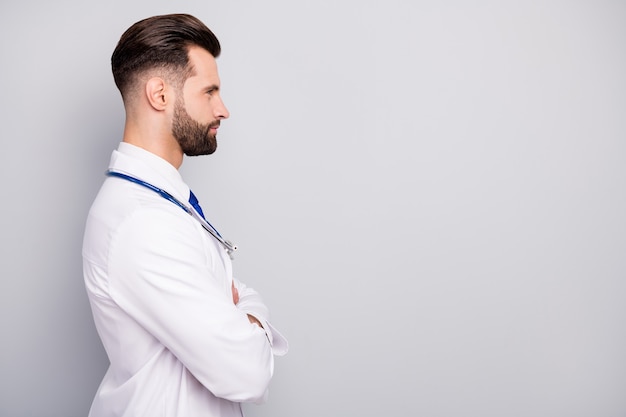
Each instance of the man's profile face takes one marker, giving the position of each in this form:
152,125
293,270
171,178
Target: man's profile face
199,107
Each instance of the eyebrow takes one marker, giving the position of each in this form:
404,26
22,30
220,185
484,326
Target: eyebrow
212,87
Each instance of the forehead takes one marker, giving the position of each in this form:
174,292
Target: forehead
203,65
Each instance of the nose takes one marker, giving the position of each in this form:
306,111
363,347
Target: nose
221,112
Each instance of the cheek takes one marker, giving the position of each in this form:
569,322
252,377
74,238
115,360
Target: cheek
200,111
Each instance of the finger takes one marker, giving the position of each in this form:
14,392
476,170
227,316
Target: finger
235,293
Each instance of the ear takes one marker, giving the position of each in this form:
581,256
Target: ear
157,93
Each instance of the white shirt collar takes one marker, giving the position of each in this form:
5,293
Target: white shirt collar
144,165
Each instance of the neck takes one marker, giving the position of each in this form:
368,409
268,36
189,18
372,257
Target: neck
154,139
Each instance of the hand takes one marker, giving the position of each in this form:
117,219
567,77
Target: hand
235,293
252,319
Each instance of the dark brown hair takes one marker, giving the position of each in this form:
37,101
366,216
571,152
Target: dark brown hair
160,42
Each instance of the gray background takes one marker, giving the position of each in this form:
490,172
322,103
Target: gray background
430,195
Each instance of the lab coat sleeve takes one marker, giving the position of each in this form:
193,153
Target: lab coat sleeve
250,302
162,277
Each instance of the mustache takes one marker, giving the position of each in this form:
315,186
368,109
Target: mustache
214,124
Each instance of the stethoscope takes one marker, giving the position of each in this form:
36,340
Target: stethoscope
230,248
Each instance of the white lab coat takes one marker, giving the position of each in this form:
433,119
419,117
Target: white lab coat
160,291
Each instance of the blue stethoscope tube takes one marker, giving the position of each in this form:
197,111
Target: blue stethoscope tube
230,248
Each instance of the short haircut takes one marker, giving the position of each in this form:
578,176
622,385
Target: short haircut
160,42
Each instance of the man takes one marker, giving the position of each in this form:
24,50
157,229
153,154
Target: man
184,338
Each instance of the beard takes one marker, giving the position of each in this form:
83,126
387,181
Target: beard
193,137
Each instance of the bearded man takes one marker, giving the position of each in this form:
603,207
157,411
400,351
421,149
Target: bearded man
184,338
